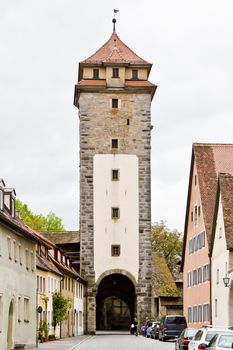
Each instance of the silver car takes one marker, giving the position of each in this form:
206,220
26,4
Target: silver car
221,342
204,336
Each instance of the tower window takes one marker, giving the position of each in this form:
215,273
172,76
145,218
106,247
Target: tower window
115,72
114,103
134,74
115,213
116,250
127,121
115,174
96,73
114,143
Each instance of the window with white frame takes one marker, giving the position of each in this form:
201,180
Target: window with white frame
220,232
26,309
216,307
19,309
27,258
190,319
195,214
80,316
9,247
15,250
217,276
20,254
199,313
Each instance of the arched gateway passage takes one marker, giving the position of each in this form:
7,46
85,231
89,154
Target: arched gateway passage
115,303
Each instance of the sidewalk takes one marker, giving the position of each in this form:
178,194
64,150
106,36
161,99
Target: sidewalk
63,344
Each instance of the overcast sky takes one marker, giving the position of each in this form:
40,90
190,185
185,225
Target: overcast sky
190,45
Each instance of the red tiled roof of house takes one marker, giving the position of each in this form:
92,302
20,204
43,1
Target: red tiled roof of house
226,190
115,51
211,159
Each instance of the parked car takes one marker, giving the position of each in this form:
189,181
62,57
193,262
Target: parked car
221,342
155,330
183,341
149,329
204,335
171,327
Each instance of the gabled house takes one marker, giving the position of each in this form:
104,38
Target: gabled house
55,273
17,276
69,242
222,254
207,161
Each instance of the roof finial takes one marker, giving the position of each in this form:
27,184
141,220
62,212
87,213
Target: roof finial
114,19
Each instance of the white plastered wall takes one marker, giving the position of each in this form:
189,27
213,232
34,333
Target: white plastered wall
124,231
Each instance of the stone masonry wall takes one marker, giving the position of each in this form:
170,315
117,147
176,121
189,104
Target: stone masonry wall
99,124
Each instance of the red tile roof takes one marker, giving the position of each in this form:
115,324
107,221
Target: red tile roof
138,83
92,82
115,51
211,159
226,190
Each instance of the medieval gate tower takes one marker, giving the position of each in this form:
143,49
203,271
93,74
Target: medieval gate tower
114,97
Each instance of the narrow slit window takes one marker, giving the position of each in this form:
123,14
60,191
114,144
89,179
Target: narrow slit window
116,250
114,103
115,213
114,143
115,72
115,175
96,73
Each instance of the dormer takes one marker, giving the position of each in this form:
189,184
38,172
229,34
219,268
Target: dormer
2,186
9,200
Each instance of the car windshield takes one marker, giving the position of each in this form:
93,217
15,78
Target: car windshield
176,320
191,332
209,335
225,341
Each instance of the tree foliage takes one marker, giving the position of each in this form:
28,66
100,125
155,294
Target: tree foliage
60,308
39,222
167,242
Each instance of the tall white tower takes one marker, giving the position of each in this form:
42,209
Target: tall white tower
114,96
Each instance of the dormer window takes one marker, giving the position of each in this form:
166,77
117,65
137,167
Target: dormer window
95,73
134,74
115,72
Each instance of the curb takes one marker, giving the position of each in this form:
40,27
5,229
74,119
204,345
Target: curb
82,341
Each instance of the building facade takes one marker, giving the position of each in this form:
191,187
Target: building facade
114,96
17,277
207,161
222,255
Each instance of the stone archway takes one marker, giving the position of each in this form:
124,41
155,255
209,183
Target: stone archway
115,302
10,328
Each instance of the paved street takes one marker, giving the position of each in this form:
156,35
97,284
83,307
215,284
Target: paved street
64,344
107,341
124,342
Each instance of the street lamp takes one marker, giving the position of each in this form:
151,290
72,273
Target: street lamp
226,281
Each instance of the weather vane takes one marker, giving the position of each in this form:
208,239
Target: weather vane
114,19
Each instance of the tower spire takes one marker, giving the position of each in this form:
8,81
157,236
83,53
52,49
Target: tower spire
114,19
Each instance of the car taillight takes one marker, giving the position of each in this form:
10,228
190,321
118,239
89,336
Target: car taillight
202,346
186,341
